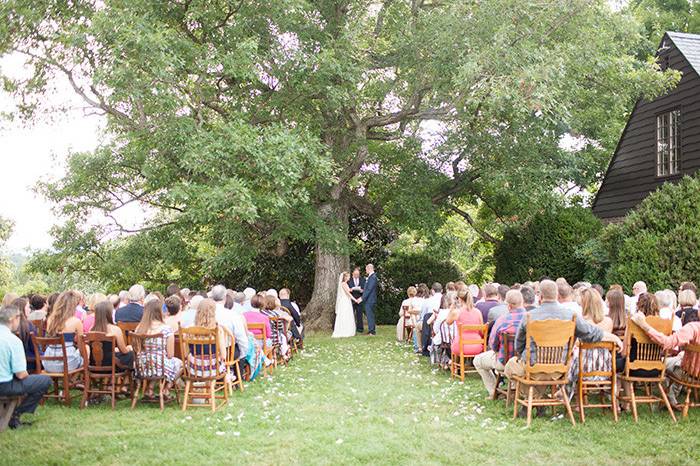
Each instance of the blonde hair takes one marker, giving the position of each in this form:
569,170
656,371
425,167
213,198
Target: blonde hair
94,299
411,291
206,314
63,309
687,298
465,296
9,299
592,305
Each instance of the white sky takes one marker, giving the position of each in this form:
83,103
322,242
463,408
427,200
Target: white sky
30,154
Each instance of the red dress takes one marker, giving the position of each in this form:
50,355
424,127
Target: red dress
466,317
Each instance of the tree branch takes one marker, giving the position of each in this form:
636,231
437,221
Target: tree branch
484,235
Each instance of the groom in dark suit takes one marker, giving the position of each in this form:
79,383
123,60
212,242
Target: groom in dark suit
357,286
369,298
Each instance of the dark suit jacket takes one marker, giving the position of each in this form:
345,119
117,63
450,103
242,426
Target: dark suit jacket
132,312
351,283
369,295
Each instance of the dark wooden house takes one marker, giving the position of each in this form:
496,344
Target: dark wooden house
661,141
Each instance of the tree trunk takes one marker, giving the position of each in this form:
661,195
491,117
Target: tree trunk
331,259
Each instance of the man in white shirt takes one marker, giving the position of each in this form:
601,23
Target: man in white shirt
637,289
188,315
234,322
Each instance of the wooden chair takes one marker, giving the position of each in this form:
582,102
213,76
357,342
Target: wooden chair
295,344
233,366
648,357
259,335
507,342
204,376
587,385
457,367
127,329
690,380
280,325
40,325
554,341
67,378
149,370
97,371
7,408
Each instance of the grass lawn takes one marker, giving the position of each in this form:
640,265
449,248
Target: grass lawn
355,401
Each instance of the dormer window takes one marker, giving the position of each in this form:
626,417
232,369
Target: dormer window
668,149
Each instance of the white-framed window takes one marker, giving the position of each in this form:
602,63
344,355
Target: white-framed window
668,143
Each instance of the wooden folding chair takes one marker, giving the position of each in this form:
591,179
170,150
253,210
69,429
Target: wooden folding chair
259,335
650,357
7,408
604,382
233,366
40,325
457,366
96,370
507,342
690,380
554,342
128,328
279,325
67,379
149,369
295,344
204,375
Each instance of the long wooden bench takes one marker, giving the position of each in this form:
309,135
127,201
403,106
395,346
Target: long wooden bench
7,407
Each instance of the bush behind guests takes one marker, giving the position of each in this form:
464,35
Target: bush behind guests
546,246
403,270
659,240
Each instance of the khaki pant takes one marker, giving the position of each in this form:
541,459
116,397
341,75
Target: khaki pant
516,367
485,363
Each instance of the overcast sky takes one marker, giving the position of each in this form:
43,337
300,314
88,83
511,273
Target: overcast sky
30,154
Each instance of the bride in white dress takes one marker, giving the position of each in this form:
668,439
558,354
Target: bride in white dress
344,314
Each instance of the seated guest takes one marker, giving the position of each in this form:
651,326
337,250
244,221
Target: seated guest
14,378
297,328
91,302
9,298
565,295
467,314
172,290
667,307
688,334
132,312
24,332
495,358
597,359
172,305
490,300
50,303
63,321
648,305
249,293
206,318
279,336
238,299
529,297
232,321
104,324
38,307
616,311
150,356
687,312
444,329
254,316
501,308
689,286
430,305
188,315
551,309
123,299
405,314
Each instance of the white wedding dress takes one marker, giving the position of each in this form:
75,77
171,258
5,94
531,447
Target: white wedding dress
344,314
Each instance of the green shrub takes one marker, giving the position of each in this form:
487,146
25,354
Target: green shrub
546,246
658,242
402,270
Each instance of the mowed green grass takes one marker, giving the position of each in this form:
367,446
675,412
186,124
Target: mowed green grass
353,401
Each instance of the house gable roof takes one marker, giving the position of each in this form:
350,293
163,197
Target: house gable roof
688,45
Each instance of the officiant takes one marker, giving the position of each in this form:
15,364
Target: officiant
357,286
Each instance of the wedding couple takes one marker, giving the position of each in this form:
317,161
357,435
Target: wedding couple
355,294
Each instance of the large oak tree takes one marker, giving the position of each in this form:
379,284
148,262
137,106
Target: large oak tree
244,125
